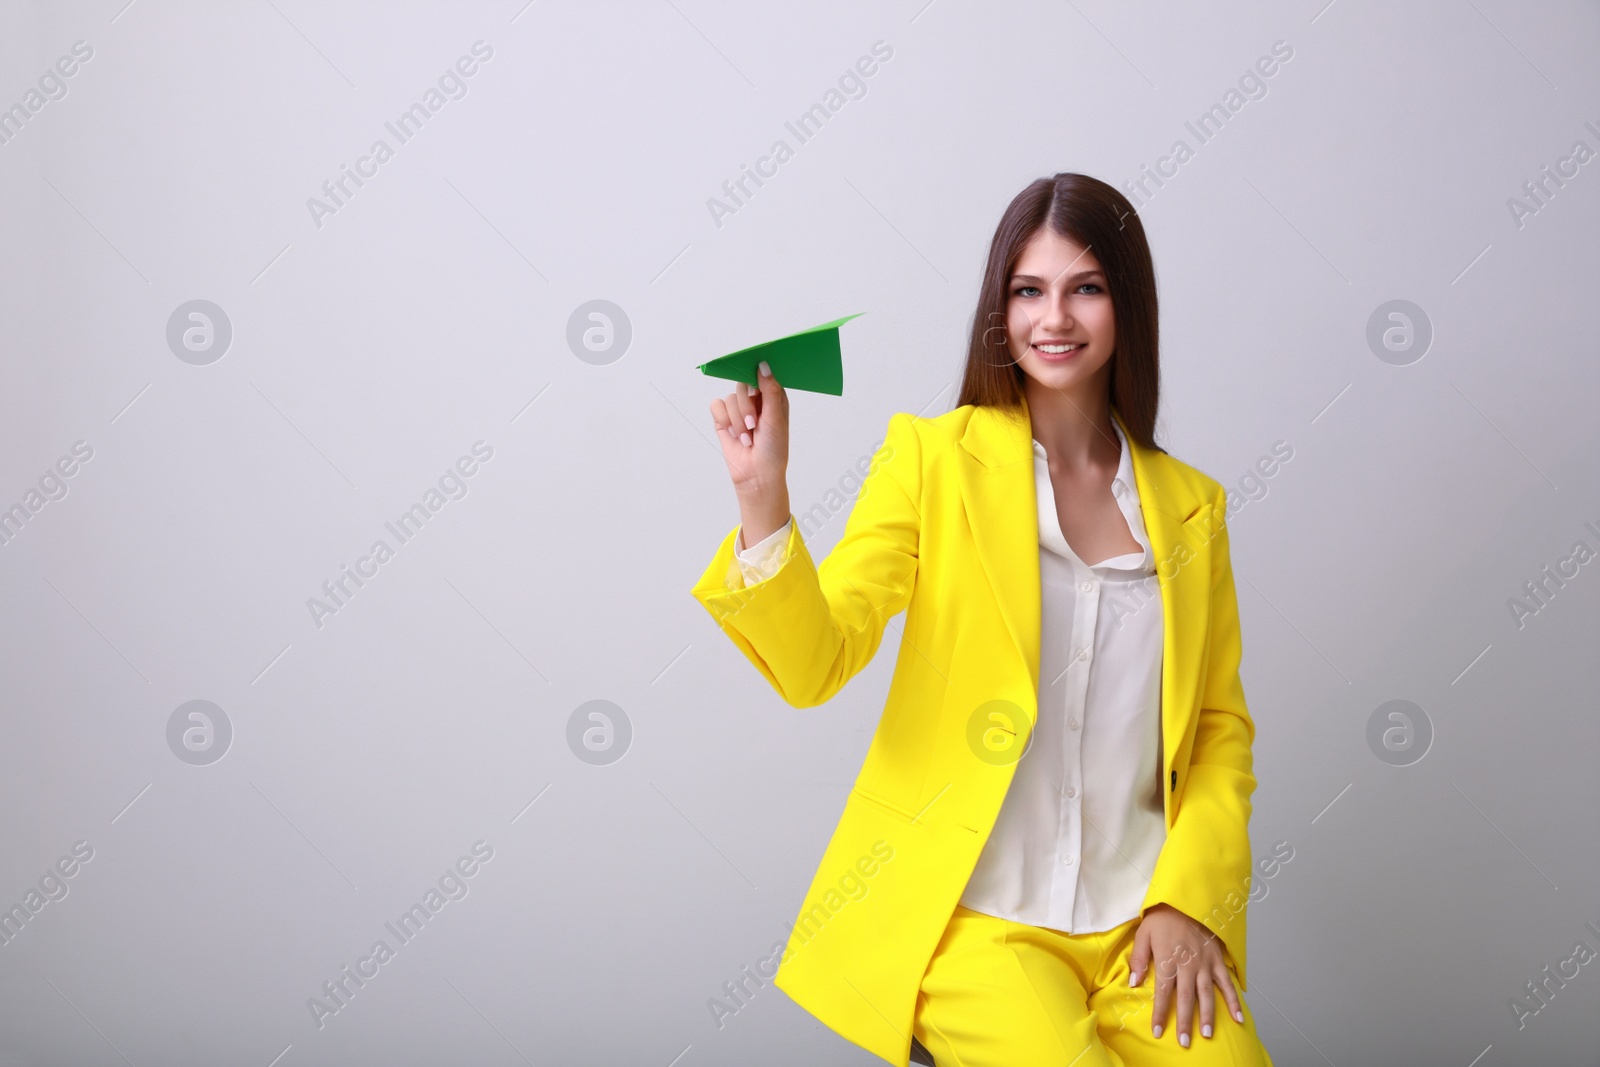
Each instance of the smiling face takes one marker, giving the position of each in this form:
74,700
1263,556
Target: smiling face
1059,321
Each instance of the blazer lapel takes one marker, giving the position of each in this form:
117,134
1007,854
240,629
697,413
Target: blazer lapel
997,489
999,493
1168,504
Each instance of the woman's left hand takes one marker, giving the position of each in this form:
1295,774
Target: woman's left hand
1189,961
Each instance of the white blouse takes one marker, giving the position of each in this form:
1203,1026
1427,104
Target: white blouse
1076,840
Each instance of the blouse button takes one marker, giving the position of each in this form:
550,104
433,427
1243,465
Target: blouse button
1072,724
1072,791
1067,860
1087,587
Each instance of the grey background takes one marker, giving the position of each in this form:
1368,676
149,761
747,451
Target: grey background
432,311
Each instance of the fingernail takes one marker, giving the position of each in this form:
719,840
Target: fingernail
1183,1039
1239,1016
1133,978
750,422
766,371
1206,1029
1156,1029
745,438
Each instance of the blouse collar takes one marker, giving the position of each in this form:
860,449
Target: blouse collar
1123,487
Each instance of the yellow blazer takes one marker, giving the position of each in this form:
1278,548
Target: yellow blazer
946,529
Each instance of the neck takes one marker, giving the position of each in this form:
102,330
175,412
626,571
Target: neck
1074,425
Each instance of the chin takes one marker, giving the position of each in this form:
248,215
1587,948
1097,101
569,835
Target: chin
1052,374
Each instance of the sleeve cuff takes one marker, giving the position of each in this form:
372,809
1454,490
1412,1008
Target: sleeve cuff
761,561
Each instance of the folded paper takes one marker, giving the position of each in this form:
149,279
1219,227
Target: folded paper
806,360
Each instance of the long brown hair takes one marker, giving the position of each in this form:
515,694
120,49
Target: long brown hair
1093,214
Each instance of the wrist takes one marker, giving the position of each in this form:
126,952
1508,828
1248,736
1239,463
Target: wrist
760,518
766,503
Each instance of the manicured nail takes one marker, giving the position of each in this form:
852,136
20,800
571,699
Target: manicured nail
1239,1015
745,438
766,371
1206,1029
1133,978
1183,1039
1156,1029
750,422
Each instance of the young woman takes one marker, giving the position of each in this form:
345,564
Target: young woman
1045,858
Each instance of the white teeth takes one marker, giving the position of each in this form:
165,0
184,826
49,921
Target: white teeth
1056,350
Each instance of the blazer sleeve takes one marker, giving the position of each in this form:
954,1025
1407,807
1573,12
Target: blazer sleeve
1204,869
809,629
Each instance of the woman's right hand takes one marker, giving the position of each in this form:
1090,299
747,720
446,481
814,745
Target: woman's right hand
754,431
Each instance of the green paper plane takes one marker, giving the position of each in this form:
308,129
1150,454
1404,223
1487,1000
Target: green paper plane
806,360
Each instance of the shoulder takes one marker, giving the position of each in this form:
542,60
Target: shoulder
933,434
955,419
926,443
925,437
1192,481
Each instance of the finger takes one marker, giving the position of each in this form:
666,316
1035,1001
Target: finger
1163,997
719,414
1229,993
1187,980
1139,958
765,378
723,422
773,402
756,397
1208,1003
746,417
773,398
736,427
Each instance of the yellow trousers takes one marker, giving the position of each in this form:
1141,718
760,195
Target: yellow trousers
1004,994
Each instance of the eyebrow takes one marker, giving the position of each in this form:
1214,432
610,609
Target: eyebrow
1070,277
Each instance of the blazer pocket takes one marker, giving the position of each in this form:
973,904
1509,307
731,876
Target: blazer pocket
1204,524
902,813
1227,960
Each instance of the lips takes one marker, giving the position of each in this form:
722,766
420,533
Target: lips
1072,349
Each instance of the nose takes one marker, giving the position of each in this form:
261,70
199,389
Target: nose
1058,313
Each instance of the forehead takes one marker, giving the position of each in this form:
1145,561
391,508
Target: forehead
1047,254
